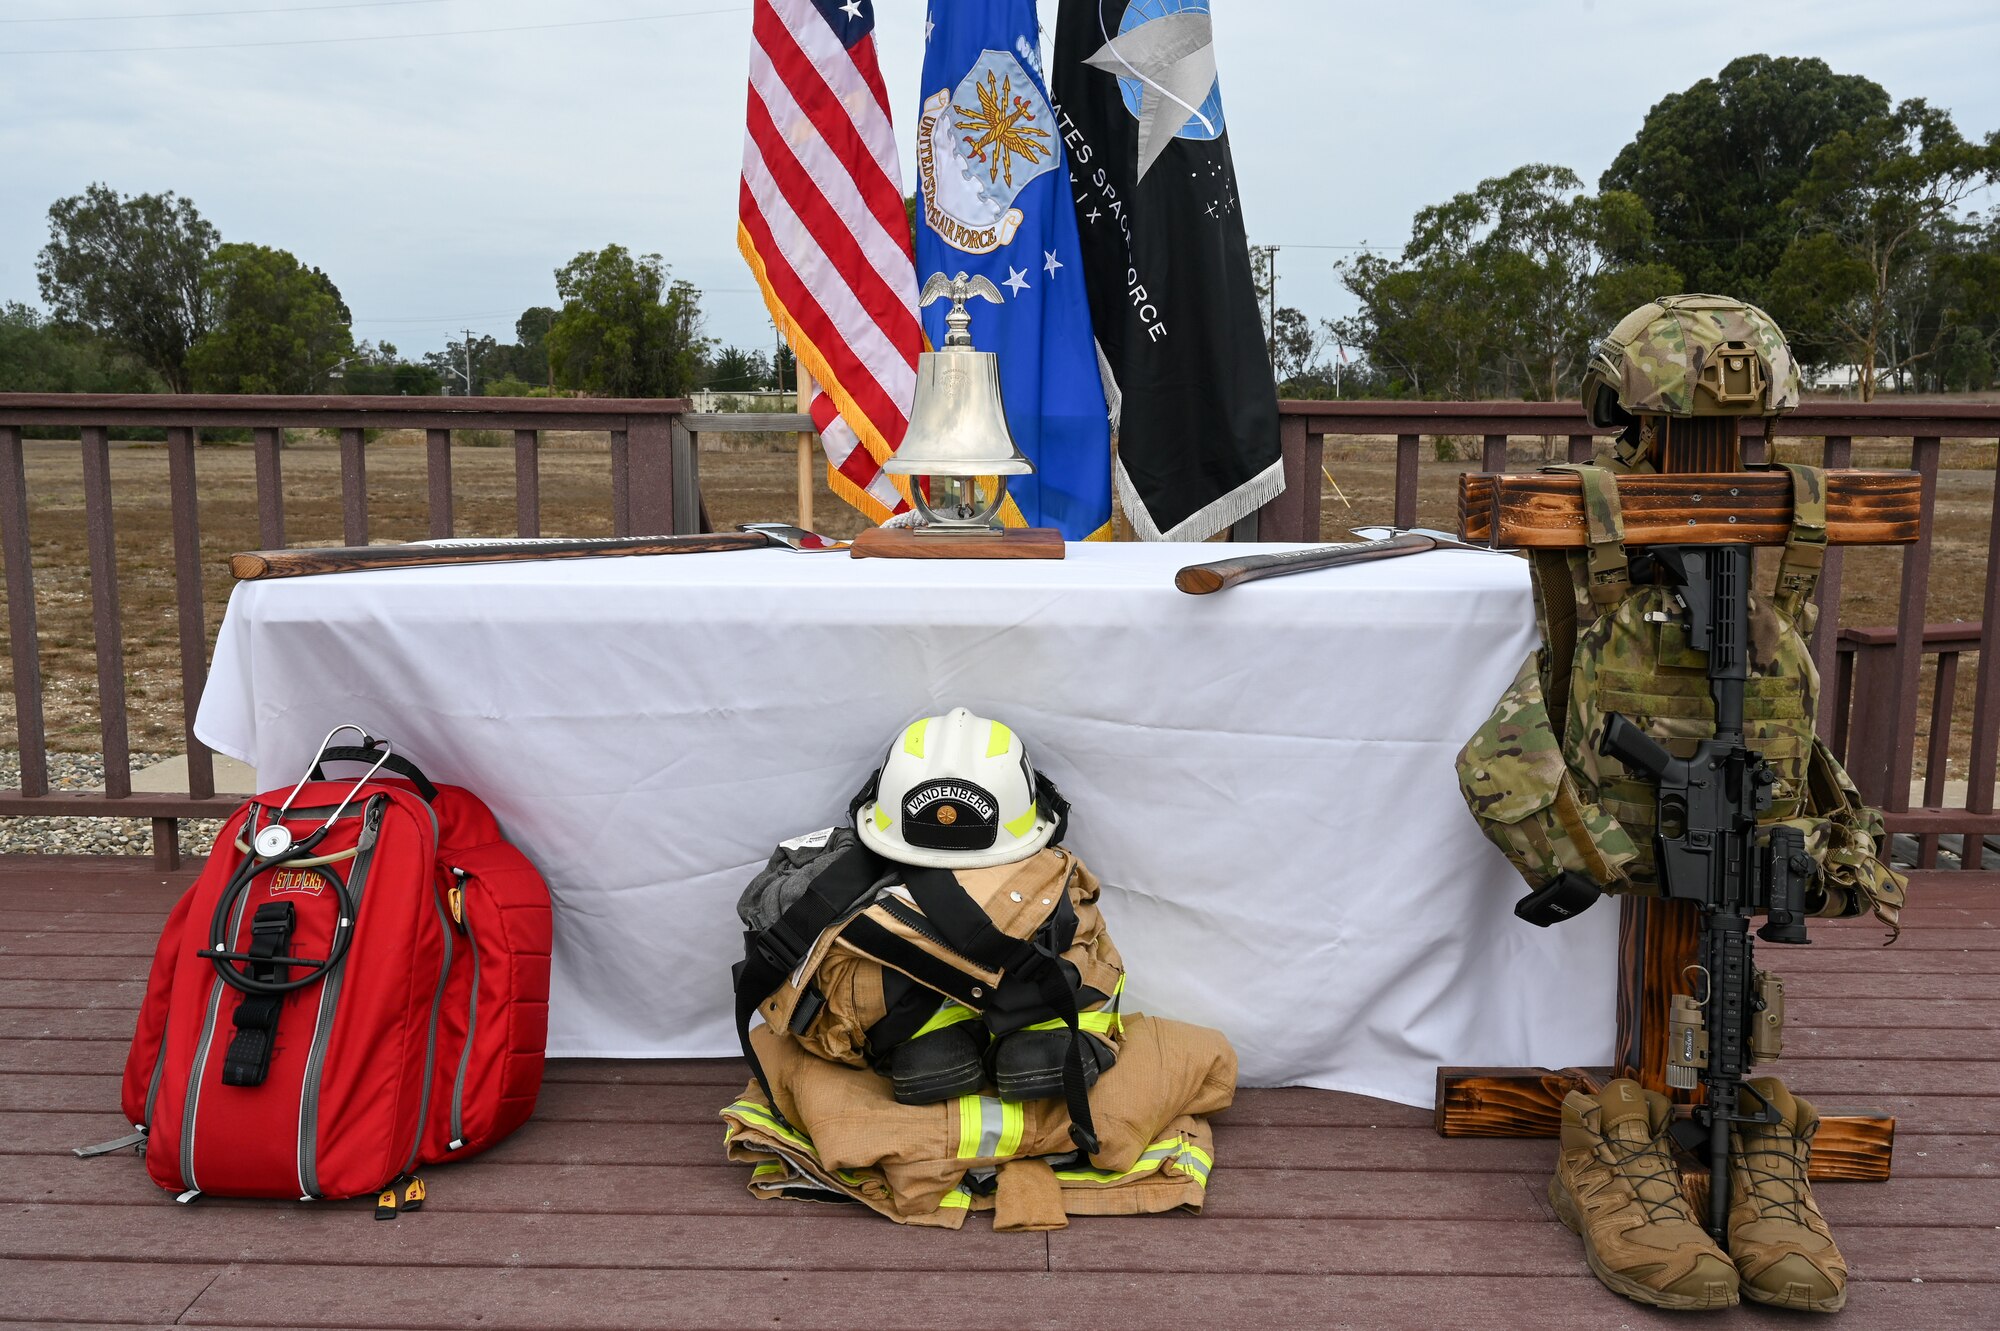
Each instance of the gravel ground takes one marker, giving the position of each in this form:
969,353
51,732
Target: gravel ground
89,836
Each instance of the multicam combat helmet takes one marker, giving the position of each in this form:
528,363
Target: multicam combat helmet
1686,356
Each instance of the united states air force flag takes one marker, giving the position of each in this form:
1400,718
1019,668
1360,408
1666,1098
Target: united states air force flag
993,199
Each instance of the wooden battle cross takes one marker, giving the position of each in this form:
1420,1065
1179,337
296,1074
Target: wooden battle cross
1702,495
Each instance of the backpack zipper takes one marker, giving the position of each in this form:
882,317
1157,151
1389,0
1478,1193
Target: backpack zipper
153,1086
430,1040
329,998
462,913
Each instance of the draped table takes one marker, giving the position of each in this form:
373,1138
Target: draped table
1263,777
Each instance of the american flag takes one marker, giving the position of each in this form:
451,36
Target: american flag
821,224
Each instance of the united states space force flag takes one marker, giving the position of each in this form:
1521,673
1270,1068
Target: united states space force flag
993,199
1171,295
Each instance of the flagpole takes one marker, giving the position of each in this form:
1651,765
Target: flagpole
805,447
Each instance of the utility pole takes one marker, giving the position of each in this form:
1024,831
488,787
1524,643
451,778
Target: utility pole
468,362
1271,304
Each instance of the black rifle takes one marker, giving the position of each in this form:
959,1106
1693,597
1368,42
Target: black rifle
1708,850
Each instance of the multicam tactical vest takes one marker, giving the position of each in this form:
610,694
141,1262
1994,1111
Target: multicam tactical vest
1541,791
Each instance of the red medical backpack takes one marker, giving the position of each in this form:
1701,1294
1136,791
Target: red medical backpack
368,997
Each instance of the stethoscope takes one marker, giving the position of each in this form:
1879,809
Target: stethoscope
274,845
275,839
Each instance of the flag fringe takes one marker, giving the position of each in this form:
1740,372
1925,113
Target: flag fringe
1205,522
808,355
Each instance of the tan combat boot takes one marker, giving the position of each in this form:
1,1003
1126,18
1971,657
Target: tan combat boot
1783,1249
1617,1186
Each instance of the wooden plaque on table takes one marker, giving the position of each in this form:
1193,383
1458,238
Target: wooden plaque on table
1004,543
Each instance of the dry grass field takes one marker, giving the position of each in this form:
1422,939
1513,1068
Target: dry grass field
739,484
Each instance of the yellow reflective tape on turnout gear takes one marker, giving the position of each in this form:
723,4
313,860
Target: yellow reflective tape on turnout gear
989,1128
1185,1154
762,1119
1013,1121
1106,1018
997,740
913,738
1019,826
948,1014
1101,1022
958,1199
969,1129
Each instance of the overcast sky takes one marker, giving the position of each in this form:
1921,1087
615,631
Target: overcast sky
440,179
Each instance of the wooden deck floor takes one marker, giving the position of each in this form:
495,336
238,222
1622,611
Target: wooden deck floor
614,1208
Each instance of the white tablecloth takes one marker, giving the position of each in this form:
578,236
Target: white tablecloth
1265,774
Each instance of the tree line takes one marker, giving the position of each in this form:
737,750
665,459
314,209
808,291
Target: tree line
143,295
1778,181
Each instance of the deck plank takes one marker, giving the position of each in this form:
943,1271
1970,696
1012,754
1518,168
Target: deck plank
613,1207
834,1301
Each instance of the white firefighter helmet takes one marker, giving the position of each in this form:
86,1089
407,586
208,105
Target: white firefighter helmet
957,792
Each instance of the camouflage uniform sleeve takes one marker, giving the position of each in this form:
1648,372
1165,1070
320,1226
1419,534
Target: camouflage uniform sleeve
1525,799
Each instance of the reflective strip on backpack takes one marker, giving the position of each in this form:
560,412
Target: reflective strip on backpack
989,1128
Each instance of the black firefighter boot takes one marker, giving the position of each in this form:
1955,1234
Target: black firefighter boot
938,1065
1028,1064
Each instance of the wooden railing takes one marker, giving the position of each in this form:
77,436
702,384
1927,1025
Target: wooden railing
654,487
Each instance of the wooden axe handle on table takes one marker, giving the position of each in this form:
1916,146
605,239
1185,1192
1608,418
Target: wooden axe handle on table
1201,579
257,564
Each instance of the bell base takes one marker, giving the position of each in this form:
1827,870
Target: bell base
1001,543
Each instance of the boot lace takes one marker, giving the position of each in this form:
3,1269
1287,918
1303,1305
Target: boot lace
1776,1165
1650,1161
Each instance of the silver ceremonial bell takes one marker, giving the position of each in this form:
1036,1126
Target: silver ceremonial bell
958,426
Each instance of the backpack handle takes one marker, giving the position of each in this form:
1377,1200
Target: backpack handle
395,762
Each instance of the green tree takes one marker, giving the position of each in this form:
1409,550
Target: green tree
38,355
737,370
1501,289
131,269
623,330
1968,358
1878,214
1297,347
531,336
280,327
1714,165
467,374
380,370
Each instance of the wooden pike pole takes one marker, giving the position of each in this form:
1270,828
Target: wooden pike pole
805,447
